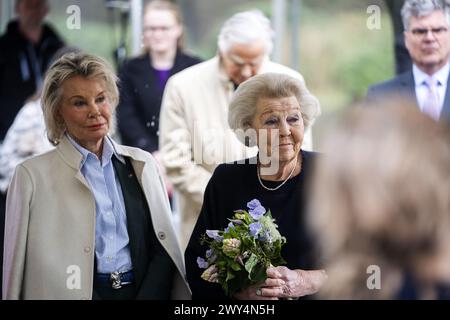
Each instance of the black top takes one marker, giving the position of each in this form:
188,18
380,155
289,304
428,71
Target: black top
22,66
140,99
231,187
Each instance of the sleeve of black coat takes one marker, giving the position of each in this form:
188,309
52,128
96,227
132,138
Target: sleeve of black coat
209,219
131,129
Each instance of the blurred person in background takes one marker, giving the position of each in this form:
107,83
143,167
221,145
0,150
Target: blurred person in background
427,37
380,199
194,133
27,136
25,52
144,78
90,207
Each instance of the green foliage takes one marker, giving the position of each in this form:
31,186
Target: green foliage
340,57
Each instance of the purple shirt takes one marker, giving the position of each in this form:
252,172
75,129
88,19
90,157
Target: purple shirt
163,76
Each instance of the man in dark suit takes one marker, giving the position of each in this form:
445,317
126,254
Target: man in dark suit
427,38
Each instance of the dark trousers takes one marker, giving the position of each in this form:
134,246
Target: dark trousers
2,233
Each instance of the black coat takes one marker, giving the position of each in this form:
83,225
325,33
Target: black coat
22,66
140,100
229,189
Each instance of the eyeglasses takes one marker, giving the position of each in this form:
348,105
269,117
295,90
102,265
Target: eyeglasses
422,32
240,63
155,29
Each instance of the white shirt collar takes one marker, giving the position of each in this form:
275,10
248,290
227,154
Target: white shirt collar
108,150
441,75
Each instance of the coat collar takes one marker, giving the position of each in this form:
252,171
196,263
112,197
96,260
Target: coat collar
74,158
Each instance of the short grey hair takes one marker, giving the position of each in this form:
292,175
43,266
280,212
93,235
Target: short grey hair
246,28
68,66
421,8
269,85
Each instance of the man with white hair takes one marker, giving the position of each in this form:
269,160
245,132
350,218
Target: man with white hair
194,132
427,38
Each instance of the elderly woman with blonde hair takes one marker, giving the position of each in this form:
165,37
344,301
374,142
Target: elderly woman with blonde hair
91,218
381,207
278,107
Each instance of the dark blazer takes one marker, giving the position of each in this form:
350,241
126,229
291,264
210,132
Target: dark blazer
403,87
140,100
152,266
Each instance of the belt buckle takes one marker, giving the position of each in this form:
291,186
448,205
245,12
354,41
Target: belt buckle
116,280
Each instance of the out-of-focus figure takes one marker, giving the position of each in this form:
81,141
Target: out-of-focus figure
381,206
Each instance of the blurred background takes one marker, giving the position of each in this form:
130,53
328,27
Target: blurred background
329,42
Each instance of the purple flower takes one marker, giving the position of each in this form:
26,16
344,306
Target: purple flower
236,221
265,236
211,256
230,225
202,264
257,212
255,228
253,204
214,234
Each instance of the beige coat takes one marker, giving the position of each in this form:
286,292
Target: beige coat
50,226
195,135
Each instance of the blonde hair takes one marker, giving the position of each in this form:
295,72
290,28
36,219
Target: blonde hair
68,66
380,197
269,85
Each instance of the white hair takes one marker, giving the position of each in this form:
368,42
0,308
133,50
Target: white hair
421,8
242,107
245,28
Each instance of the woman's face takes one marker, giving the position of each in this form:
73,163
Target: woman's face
161,31
280,117
86,110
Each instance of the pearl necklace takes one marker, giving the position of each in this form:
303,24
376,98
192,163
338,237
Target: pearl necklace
279,186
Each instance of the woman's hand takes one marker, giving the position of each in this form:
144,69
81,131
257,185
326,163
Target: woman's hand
297,283
270,289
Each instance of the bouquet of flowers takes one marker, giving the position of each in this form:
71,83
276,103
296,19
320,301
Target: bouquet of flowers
239,255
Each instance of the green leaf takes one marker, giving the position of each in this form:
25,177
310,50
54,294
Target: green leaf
236,266
230,276
259,274
251,263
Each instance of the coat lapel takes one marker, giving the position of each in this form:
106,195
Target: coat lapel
136,219
72,157
408,87
445,113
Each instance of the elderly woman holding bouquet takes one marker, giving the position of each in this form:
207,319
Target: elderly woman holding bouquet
270,111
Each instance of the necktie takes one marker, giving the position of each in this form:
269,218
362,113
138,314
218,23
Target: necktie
431,104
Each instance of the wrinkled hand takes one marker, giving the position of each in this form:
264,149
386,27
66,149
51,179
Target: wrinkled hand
270,289
297,283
